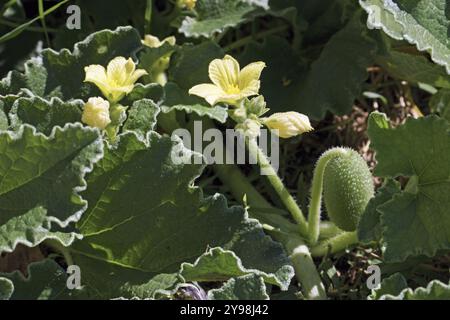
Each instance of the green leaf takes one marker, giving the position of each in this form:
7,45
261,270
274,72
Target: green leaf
215,16
141,117
12,83
31,228
178,99
415,221
336,78
41,177
219,265
423,23
6,289
414,68
141,91
105,280
146,217
440,102
190,64
65,69
392,286
248,287
435,290
369,227
44,114
46,281
280,80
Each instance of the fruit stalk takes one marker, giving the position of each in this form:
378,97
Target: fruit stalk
316,193
335,244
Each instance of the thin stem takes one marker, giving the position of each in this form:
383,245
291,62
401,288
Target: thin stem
316,193
287,199
31,29
335,244
44,25
148,16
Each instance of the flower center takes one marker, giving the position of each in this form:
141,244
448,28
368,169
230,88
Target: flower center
233,89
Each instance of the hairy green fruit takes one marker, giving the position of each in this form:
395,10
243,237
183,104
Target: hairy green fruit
348,187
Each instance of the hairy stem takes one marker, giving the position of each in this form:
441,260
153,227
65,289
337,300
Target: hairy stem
287,199
335,244
305,269
316,193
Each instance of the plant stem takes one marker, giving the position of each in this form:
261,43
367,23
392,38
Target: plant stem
316,193
328,230
280,189
335,244
305,269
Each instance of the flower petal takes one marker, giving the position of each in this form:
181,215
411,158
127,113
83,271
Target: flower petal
209,92
136,75
97,75
117,70
170,40
251,89
224,73
251,73
151,41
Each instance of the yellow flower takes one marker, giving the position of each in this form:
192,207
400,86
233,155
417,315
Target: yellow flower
288,124
230,84
96,113
189,4
117,80
154,42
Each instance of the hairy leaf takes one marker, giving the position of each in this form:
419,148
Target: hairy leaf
41,177
423,23
215,16
146,217
417,220
248,287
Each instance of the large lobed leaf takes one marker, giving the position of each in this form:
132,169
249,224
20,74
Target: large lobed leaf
46,280
423,23
415,221
40,180
61,73
146,219
215,16
396,288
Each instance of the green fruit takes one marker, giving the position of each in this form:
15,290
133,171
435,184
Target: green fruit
347,188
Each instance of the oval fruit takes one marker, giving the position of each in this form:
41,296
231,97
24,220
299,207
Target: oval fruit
348,187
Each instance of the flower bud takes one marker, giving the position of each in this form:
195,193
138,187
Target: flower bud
250,128
154,42
256,106
96,113
288,124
